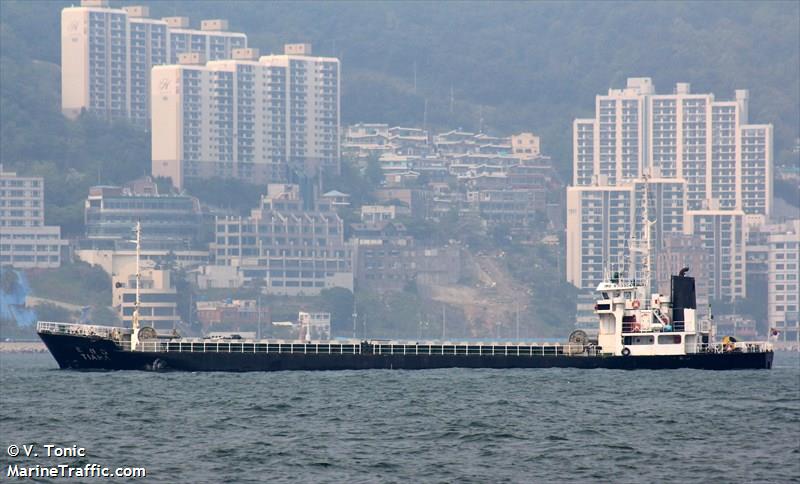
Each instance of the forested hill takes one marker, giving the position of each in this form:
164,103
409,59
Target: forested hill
517,66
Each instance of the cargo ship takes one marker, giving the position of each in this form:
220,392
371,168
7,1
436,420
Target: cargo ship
636,329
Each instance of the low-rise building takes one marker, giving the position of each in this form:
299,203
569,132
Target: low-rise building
417,200
288,249
159,298
168,221
314,325
525,145
336,198
388,259
31,247
218,277
372,214
364,141
512,207
233,315
113,260
735,325
25,241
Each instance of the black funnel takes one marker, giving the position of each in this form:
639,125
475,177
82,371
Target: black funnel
682,295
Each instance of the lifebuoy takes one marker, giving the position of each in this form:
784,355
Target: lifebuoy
635,304
626,352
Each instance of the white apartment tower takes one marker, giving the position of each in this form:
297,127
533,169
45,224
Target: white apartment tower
107,54
783,287
708,143
601,220
714,174
264,119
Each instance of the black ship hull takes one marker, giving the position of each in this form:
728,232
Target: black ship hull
92,353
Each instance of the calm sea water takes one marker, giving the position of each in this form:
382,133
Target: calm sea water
558,425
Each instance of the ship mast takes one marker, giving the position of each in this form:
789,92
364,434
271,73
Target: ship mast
646,239
642,246
135,318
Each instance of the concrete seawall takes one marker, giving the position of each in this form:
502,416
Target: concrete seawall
22,347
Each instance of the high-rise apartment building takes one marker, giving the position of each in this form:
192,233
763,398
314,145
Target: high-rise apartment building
602,220
25,241
708,143
599,221
678,251
610,147
107,54
755,180
722,234
286,248
263,119
713,173
783,287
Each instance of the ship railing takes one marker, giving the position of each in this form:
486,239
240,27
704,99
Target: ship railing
467,349
78,329
272,347
737,347
267,347
673,327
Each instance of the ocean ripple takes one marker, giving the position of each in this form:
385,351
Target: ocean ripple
556,425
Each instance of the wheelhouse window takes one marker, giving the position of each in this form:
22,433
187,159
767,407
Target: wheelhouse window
637,340
669,339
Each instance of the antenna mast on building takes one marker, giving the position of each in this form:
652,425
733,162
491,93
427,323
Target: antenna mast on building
415,77
425,116
452,100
